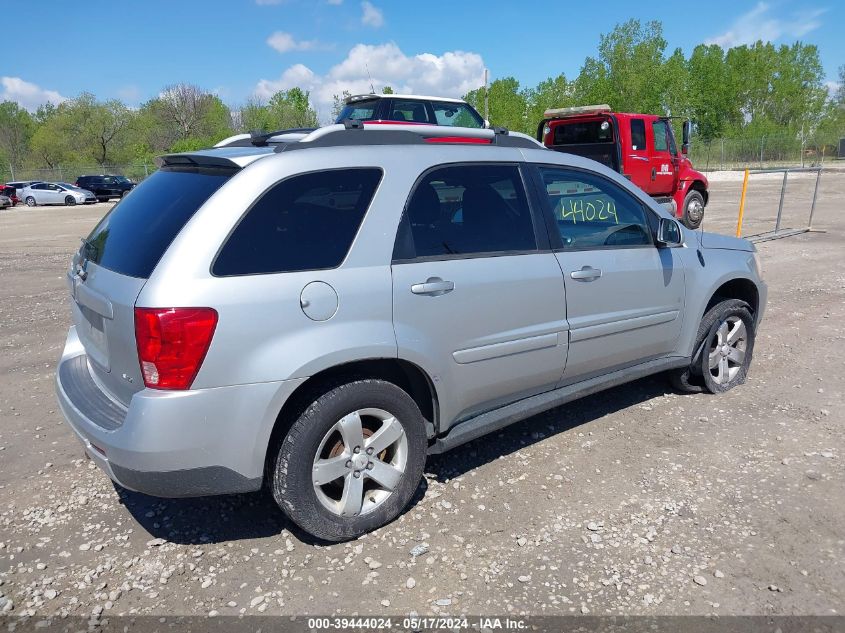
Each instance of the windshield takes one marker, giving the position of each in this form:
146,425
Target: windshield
456,114
359,111
66,185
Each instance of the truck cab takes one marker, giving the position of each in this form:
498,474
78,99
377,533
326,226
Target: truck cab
642,147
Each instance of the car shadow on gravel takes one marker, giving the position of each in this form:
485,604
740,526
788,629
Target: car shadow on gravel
490,447
218,519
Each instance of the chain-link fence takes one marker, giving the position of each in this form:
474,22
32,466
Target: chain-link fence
765,152
69,173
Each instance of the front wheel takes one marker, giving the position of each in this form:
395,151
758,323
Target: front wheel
352,461
693,212
724,346
70,201
30,201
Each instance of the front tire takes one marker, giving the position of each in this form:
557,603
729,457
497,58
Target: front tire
352,461
693,213
30,201
724,348
70,201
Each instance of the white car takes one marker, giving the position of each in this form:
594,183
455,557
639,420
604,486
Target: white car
56,193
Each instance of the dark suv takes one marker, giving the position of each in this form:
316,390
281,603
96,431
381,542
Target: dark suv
105,186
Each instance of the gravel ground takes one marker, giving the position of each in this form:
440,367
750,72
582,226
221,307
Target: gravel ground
635,501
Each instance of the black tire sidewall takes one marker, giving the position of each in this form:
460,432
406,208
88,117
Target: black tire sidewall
714,317
691,196
70,201
291,478
27,201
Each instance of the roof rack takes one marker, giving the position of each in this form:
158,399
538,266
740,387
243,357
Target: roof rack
352,132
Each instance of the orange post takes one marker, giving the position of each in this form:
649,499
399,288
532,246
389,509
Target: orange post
742,205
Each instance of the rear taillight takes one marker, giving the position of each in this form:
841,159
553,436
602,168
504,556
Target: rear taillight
172,343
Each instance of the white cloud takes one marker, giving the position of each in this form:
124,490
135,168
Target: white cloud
284,42
451,74
371,15
760,24
27,94
129,93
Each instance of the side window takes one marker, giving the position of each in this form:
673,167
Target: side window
661,144
464,210
593,212
638,134
412,111
306,222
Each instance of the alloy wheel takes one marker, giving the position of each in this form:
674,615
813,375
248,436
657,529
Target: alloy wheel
727,350
360,462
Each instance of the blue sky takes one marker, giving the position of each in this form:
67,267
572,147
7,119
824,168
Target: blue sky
244,48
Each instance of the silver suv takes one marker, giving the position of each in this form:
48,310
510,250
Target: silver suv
316,312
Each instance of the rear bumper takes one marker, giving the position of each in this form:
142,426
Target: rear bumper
172,444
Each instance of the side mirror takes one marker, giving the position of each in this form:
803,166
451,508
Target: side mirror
669,233
686,132
486,124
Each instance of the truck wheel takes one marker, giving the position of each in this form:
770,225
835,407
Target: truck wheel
352,461
693,209
724,346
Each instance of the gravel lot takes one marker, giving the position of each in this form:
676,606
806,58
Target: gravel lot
636,501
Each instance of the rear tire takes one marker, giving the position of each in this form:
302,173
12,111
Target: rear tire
724,348
693,213
335,492
30,201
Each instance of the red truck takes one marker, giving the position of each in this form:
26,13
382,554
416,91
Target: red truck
640,146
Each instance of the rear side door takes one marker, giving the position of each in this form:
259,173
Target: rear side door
478,298
663,168
624,296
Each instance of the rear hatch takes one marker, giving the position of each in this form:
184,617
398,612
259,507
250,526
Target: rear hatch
116,259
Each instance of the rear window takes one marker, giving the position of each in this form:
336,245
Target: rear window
583,132
306,222
133,236
359,111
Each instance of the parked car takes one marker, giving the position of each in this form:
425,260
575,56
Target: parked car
106,186
640,146
319,316
5,202
56,193
19,186
411,109
10,192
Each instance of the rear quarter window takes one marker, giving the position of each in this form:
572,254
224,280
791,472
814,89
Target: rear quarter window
306,222
133,236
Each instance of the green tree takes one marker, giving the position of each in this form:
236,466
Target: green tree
508,104
16,130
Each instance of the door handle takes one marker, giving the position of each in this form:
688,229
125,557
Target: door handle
433,286
654,173
587,273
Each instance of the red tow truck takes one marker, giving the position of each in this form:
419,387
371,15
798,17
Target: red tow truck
642,147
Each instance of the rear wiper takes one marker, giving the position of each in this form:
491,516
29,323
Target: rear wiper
90,249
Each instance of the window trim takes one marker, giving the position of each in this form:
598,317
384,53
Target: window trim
260,197
551,223
541,238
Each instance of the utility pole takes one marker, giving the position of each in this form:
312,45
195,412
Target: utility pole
486,100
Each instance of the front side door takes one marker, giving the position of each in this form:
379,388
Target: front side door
476,303
637,162
663,167
624,296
